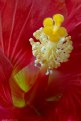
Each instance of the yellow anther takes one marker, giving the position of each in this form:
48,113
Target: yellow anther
48,30
54,38
48,22
62,32
58,18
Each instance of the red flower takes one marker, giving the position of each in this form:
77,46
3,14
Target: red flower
26,93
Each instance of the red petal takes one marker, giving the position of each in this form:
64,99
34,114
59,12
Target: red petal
18,20
73,14
5,72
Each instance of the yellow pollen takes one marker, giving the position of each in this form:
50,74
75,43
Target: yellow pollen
54,46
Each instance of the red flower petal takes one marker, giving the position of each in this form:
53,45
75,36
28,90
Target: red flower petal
18,20
5,72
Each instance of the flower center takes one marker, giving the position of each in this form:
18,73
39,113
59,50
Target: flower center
54,46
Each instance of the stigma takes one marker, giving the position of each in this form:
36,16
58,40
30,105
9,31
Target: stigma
54,45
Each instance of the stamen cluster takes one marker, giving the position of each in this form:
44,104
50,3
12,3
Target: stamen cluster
50,54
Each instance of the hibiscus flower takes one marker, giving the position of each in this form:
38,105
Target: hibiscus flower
27,92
